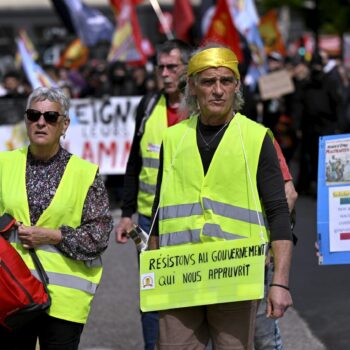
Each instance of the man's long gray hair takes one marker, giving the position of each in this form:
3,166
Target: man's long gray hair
189,101
51,94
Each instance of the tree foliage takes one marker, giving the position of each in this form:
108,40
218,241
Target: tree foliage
328,16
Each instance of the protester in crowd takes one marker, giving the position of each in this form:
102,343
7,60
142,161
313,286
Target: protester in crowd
120,80
322,108
151,83
344,124
336,74
12,85
276,113
62,210
139,74
155,113
213,96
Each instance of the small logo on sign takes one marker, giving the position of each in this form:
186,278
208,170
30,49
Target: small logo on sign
147,281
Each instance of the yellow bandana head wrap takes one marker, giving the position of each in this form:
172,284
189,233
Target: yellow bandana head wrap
212,58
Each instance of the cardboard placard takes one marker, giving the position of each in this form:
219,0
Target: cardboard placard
275,84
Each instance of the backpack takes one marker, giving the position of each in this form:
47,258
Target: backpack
22,296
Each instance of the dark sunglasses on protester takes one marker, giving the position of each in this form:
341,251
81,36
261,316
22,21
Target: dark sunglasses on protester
34,115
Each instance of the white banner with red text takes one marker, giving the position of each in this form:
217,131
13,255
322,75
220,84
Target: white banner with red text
101,131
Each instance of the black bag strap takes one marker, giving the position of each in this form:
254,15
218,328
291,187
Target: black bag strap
39,268
7,223
150,104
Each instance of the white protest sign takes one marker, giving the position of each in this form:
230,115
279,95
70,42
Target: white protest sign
101,131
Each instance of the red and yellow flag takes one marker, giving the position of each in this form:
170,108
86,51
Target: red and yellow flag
127,40
222,29
75,55
271,34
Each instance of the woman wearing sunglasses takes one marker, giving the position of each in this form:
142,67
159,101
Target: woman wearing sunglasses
62,209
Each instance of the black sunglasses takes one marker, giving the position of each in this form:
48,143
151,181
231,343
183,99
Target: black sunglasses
34,115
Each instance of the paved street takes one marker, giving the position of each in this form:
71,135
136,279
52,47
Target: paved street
321,298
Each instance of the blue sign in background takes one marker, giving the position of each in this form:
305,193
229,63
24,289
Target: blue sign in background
326,256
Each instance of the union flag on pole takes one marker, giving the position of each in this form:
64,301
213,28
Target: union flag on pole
223,30
127,40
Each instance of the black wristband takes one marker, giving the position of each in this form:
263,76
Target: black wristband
279,285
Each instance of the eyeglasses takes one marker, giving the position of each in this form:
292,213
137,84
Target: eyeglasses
34,115
169,67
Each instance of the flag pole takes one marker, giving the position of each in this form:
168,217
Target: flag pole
162,19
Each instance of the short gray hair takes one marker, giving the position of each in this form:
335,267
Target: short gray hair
189,101
52,94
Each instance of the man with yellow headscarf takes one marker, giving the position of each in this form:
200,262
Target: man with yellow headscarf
218,173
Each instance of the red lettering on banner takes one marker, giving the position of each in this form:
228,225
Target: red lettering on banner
87,152
105,154
111,152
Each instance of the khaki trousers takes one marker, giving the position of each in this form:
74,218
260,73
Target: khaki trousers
230,326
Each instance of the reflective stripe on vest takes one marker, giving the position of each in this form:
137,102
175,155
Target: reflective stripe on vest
214,230
180,210
59,279
150,163
175,238
234,212
150,144
229,205
227,210
146,188
76,281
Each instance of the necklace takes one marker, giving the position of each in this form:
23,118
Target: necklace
207,144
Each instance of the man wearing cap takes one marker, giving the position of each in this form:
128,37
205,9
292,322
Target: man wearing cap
214,168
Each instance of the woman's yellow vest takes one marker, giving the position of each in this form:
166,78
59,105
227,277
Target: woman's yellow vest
221,205
72,284
150,145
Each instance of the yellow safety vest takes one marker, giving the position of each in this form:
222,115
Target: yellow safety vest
150,145
72,283
222,205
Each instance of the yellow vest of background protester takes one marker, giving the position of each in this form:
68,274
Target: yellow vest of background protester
150,145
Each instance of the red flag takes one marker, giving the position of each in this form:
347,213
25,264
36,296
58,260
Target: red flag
183,19
127,40
223,30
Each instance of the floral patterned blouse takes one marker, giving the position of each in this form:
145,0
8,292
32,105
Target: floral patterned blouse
90,239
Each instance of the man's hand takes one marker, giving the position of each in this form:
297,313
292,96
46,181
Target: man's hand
278,301
124,226
34,236
279,298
